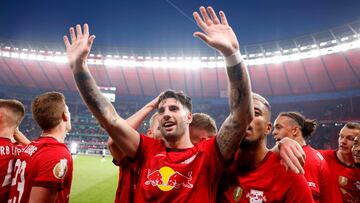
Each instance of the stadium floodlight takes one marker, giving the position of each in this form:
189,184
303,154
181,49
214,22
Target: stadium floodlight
303,48
91,55
285,51
333,41
295,49
99,55
172,58
313,46
260,55
109,56
179,58
277,52
111,62
268,53
125,57
323,44
7,47
25,50
14,55
148,58
163,58
156,58
32,57
140,57
204,58
24,56
116,56
220,58
60,59
344,39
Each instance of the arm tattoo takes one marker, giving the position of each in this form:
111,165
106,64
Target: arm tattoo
97,103
240,103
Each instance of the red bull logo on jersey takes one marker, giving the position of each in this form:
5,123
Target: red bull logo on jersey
256,196
167,179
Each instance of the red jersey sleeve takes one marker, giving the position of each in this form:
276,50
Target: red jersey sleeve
329,190
53,168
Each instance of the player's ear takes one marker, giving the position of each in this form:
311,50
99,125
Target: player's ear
268,128
66,116
189,117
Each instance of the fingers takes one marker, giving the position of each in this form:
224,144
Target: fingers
294,158
213,15
66,42
78,31
91,40
289,164
223,18
72,35
200,22
86,30
202,36
205,15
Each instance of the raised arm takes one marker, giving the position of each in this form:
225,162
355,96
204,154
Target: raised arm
118,129
218,34
20,137
134,121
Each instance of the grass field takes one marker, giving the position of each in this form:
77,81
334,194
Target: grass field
94,180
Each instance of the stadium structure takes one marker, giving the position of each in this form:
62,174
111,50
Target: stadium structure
317,74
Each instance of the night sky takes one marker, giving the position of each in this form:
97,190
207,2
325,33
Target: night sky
168,23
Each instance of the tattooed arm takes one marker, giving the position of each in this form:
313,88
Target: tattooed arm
118,129
219,35
134,121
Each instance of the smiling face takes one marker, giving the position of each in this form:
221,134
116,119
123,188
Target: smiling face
174,119
284,127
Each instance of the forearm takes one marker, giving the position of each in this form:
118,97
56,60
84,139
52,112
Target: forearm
100,107
241,109
137,119
21,138
240,101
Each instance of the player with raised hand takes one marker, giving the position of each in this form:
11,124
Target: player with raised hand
170,168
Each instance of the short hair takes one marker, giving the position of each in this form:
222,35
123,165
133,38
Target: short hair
307,126
352,125
17,109
205,122
179,96
152,119
260,98
47,109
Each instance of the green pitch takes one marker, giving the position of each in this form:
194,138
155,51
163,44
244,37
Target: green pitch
94,180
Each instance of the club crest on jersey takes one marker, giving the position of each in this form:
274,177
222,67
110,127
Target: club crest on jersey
343,180
60,169
167,179
237,193
256,196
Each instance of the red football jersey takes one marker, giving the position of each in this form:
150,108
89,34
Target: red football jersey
128,176
346,177
168,175
45,162
8,153
319,178
267,182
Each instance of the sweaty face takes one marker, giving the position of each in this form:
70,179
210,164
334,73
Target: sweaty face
283,127
346,139
174,119
259,127
197,135
356,149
